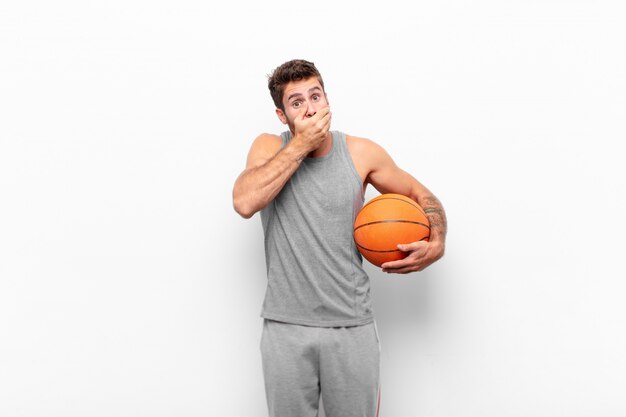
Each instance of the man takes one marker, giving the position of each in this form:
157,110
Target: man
319,334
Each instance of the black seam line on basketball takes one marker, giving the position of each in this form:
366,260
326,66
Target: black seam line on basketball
393,198
385,251
392,221
377,250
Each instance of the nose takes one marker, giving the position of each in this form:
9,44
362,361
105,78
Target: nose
311,109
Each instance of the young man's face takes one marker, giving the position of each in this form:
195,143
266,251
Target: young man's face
305,94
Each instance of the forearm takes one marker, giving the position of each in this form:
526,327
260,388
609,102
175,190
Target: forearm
422,254
436,216
257,186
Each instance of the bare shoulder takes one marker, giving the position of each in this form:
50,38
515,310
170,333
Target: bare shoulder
263,148
358,143
267,140
365,150
367,156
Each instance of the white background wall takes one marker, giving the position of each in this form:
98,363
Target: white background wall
129,286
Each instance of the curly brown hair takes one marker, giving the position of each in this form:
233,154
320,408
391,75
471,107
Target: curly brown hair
294,70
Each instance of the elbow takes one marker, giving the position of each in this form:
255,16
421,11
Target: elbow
242,208
246,202
240,203
246,214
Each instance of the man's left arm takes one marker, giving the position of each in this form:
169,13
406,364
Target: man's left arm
387,177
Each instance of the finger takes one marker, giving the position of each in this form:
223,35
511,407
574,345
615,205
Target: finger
328,115
300,119
402,263
325,114
326,125
402,270
322,114
411,247
408,264
302,112
406,247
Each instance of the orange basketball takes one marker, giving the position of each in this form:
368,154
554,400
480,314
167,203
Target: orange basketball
386,221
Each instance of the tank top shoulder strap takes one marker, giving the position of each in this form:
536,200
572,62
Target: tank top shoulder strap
341,145
344,153
286,137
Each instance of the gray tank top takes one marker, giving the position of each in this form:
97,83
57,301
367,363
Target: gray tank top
314,270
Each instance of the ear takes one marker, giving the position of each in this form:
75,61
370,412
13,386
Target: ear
281,116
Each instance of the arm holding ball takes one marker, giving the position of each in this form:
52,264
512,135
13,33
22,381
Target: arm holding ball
379,169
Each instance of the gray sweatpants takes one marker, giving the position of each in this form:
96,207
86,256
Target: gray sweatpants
341,363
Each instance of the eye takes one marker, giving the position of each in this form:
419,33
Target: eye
296,104
315,97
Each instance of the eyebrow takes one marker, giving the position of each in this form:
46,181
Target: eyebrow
312,89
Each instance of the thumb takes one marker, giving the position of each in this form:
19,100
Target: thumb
404,247
409,247
302,112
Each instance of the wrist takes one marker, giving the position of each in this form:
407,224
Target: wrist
439,248
295,151
299,148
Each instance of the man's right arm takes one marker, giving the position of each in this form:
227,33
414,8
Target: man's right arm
269,167
267,170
